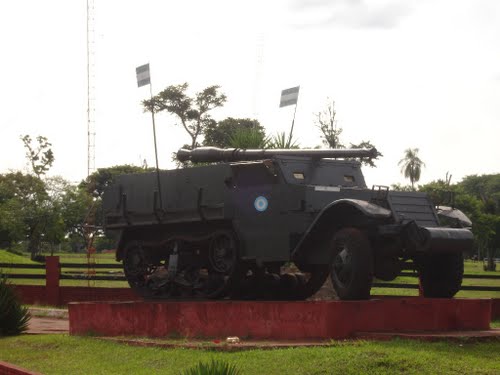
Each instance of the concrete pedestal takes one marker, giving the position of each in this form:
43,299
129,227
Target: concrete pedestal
278,320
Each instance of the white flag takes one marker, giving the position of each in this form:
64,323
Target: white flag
289,96
143,77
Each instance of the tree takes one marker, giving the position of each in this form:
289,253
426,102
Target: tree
400,187
367,161
40,212
244,133
282,141
100,179
40,157
193,112
32,205
12,227
75,206
25,198
83,205
327,124
486,189
411,166
248,139
330,133
473,196
231,131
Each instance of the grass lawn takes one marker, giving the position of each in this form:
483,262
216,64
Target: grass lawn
60,354
6,257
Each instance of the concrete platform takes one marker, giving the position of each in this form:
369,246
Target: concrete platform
487,335
272,320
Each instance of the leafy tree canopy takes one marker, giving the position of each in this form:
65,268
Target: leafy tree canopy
476,196
326,122
486,188
192,111
97,181
367,161
39,157
225,133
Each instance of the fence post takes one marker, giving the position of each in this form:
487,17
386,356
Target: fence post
420,287
52,275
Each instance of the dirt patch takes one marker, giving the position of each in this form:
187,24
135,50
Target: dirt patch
325,293
39,325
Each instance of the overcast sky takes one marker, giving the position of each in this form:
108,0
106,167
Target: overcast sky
403,74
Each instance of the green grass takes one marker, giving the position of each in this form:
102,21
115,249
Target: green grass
6,257
60,354
476,268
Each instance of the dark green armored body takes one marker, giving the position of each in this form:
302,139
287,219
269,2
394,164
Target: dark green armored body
273,224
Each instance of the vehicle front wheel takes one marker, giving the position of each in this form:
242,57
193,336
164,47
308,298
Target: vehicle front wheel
352,266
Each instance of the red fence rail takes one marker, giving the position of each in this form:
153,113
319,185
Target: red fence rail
52,293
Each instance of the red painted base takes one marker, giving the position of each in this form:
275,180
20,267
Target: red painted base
40,295
278,320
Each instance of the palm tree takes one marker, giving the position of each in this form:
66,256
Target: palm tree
411,165
282,141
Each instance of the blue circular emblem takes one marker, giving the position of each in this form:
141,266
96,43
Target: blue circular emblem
260,203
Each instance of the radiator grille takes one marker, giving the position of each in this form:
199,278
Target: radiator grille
413,206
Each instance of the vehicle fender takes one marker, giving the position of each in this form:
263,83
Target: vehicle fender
314,246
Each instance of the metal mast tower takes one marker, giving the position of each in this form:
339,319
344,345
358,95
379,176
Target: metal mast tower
90,88
89,223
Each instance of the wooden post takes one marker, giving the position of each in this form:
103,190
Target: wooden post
420,288
52,276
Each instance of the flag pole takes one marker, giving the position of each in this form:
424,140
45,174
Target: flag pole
288,97
143,79
156,148
293,123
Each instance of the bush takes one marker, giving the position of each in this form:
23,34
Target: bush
14,317
215,367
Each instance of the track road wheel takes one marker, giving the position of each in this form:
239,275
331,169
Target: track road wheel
352,266
223,271
441,274
144,276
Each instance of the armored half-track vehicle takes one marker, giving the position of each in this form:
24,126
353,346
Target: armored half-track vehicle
274,224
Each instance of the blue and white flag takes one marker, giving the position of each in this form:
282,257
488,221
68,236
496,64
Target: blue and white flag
289,96
143,77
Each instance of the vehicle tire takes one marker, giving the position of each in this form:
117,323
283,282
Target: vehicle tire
441,274
352,266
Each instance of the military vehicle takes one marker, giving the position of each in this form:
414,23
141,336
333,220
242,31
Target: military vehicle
273,224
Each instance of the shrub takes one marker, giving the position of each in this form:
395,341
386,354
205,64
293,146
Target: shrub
215,367
14,317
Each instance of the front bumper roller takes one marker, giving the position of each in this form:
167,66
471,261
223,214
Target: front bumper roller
438,240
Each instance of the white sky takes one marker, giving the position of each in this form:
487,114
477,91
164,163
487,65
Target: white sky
403,74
